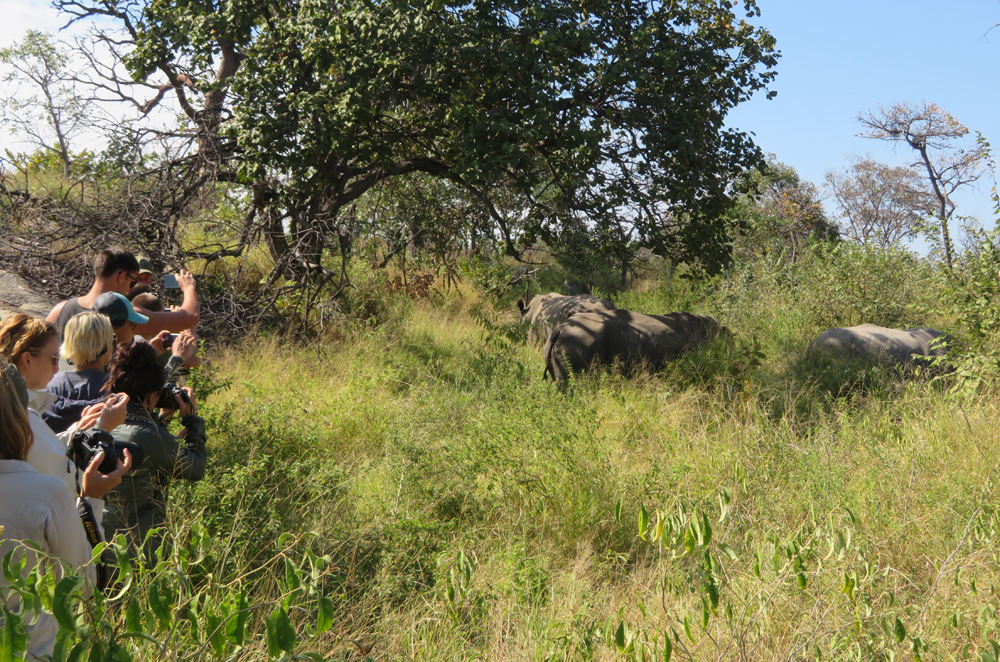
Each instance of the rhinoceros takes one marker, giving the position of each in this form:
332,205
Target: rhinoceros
881,344
546,311
630,339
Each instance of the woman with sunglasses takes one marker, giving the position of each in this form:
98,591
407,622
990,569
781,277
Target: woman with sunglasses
31,346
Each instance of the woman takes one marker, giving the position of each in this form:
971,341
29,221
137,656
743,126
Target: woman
139,503
88,341
34,507
31,346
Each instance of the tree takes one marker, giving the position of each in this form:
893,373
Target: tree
51,113
779,211
934,134
607,110
881,204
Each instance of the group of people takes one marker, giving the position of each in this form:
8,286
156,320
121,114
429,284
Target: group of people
105,361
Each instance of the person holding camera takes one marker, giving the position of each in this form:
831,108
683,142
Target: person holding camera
31,346
139,503
34,507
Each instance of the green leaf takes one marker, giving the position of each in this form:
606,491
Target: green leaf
687,628
643,521
62,601
620,638
13,635
160,606
706,530
899,631
618,510
324,614
280,632
133,618
236,626
668,647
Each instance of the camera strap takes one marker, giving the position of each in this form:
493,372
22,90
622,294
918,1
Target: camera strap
90,528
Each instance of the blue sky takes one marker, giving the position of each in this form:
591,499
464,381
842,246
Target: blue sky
838,59
842,58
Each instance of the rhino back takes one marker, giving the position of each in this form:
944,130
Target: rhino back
877,343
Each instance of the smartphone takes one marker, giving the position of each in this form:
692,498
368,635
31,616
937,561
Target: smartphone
170,282
168,341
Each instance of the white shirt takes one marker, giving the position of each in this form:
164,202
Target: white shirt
48,453
41,508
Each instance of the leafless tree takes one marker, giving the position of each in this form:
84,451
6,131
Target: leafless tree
880,204
935,135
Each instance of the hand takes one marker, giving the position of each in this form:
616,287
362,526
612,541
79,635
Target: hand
113,413
95,484
90,416
185,280
186,408
158,341
186,346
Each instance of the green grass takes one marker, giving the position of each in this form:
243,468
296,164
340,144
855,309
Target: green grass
475,511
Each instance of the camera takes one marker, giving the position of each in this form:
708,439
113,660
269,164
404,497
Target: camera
166,400
85,444
168,340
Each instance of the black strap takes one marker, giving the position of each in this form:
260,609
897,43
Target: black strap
90,528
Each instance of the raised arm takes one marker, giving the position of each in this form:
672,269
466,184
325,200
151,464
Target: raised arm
174,321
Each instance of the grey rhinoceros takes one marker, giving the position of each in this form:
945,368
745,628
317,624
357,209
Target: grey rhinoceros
624,337
880,344
546,311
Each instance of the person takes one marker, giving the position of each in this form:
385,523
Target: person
38,508
123,315
117,270
145,272
139,503
88,342
31,347
88,345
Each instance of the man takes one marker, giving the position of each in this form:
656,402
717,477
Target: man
117,270
124,318
145,272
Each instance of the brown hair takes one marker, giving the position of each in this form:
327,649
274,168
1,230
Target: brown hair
110,260
15,430
22,333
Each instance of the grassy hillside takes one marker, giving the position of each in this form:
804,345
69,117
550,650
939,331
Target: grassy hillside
742,504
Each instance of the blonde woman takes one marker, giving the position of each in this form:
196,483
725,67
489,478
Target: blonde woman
34,507
88,341
31,346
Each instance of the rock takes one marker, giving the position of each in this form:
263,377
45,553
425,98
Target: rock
18,296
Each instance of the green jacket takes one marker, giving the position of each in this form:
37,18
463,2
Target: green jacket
140,502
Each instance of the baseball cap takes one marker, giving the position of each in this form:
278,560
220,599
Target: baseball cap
118,309
145,266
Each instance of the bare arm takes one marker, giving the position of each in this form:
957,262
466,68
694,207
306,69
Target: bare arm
175,321
54,313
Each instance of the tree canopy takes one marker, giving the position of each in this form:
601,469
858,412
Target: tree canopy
603,111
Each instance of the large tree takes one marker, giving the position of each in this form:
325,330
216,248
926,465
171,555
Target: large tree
880,204
937,137
604,110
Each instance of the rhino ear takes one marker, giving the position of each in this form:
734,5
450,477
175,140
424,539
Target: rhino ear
520,305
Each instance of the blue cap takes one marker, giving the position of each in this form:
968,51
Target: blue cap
118,309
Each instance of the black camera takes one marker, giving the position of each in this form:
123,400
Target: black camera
167,401
85,444
168,340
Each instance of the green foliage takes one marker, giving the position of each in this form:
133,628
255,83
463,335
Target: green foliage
175,607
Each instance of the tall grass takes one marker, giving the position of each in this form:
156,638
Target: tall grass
474,511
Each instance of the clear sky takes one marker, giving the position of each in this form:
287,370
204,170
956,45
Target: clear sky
845,57
838,59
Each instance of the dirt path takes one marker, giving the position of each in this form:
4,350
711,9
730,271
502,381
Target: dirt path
18,296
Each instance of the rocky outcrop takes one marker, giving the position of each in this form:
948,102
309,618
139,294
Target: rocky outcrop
18,296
